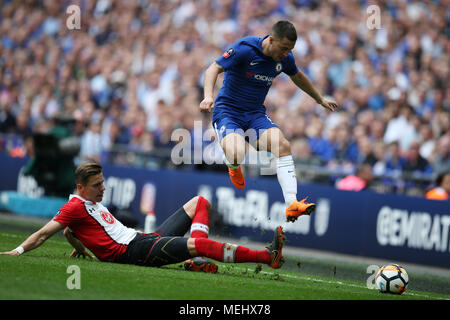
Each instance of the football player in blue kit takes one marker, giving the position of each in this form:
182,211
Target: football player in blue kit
250,66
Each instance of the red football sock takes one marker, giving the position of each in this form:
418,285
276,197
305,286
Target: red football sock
209,248
226,252
200,223
244,254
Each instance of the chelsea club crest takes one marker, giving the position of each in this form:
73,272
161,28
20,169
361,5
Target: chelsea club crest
278,67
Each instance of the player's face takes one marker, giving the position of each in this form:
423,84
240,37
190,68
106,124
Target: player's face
281,48
93,189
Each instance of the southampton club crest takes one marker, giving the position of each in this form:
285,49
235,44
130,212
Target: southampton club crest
107,217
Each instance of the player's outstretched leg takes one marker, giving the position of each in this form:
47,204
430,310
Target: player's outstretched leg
274,141
288,182
234,147
227,252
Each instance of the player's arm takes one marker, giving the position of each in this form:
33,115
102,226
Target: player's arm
209,83
79,249
302,81
37,238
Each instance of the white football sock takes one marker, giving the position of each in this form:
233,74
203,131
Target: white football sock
287,179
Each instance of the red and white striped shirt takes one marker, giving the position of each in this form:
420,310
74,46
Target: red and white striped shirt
95,227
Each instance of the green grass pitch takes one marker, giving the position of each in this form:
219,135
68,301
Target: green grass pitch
43,274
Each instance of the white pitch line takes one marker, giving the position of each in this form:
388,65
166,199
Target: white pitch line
308,278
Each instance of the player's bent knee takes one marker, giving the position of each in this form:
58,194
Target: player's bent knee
191,247
285,148
201,201
191,206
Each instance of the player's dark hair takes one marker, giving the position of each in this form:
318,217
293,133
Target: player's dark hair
85,170
284,29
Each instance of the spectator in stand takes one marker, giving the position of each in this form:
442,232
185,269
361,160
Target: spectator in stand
91,143
442,159
345,149
442,189
366,154
23,124
319,145
302,152
376,129
393,159
400,129
428,142
357,182
415,162
379,151
7,119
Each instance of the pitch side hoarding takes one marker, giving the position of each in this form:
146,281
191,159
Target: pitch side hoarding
391,227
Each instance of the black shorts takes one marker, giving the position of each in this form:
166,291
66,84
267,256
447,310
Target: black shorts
166,246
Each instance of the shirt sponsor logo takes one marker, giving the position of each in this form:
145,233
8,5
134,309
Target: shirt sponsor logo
263,78
260,77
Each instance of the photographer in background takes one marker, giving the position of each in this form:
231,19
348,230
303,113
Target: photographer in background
52,164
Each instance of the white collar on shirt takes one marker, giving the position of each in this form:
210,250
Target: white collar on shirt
81,198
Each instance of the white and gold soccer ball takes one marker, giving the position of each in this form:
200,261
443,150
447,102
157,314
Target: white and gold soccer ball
392,278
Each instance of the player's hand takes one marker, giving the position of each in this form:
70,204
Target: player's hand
76,254
207,105
11,253
329,104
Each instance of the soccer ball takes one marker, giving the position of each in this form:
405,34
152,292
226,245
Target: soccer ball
392,278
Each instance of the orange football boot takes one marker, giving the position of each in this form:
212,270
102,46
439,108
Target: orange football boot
275,249
200,264
237,178
299,208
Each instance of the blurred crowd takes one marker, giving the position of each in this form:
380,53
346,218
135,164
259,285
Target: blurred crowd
133,73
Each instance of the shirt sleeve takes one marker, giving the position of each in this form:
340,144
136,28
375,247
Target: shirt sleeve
290,68
68,215
233,56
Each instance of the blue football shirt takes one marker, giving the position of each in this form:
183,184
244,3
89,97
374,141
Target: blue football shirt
249,73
